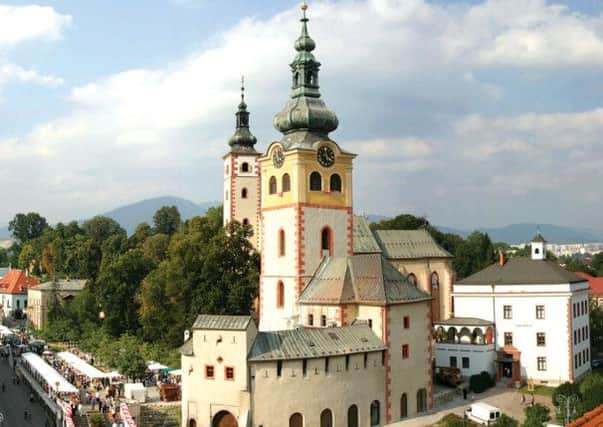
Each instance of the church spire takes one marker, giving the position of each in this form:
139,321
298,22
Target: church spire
242,140
305,119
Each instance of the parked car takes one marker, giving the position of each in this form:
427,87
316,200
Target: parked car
596,363
482,413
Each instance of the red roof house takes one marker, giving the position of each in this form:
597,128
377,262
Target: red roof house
593,418
596,284
17,282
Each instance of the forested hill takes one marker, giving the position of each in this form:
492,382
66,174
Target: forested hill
129,216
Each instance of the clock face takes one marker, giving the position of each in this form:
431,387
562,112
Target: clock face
326,156
278,157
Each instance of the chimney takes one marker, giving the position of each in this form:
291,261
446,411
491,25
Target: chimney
501,258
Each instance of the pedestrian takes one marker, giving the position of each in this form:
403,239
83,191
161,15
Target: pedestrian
523,399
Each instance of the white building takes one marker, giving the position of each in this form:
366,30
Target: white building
540,314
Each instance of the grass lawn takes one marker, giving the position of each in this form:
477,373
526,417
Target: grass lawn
540,390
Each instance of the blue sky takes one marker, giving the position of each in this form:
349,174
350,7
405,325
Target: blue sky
474,113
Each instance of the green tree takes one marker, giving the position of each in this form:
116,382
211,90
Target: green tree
506,421
129,360
401,222
474,254
596,326
536,415
591,389
167,220
156,247
116,288
597,263
141,234
24,227
3,257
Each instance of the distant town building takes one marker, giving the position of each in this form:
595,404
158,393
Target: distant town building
596,286
540,316
13,290
40,296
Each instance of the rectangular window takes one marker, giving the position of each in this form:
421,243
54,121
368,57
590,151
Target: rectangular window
405,351
209,372
310,320
540,312
304,367
406,322
465,363
586,331
579,359
365,360
347,362
575,337
541,363
326,365
279,368
229,373
370,322
508,338
575,361
453,361
540,339
507,312
323,320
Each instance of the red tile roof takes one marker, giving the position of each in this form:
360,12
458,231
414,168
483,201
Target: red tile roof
17,282
596,283
593,418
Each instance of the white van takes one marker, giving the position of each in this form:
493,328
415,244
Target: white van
482,413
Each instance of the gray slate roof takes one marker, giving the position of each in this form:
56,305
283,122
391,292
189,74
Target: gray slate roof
464,321
538,238
522,271
222,323
364,240
62,285
363,279
187,348
409,244
308,343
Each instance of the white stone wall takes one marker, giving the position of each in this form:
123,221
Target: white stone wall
332,312
481,357
277,268
275,398
581,346
203,398
314,220
9,302
478,301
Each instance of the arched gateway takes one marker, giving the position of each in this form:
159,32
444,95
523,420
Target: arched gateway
224,419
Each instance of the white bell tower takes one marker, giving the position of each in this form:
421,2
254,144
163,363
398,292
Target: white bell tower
538,247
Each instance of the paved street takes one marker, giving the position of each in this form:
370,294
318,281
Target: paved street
15,399
507,399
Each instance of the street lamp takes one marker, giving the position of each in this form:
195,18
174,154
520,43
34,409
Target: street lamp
101,315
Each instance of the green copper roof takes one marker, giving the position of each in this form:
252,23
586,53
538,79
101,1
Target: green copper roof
243,140
305,118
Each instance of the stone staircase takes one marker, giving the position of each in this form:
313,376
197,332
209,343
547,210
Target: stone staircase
151,417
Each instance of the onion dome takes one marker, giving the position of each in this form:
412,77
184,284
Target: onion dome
243,140
305,118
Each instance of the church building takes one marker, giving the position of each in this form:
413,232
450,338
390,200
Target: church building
344,336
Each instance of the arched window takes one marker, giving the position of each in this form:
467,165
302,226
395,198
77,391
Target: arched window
226,195
489,336
244,193
280,294
286,183
403,406
421,400
296,420
245,167
281,242
435,280
326,242
335,183
465,336
375,413
353,416
326,418
315,181
412,279
451,335
272,185
192,423
245,221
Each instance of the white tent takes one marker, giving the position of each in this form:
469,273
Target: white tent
81,366
154,366
50,376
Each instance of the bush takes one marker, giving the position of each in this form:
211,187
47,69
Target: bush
506,421
565,389
536,416
96,420
480,382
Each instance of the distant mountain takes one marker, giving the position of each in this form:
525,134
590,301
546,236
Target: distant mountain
129,216
522,233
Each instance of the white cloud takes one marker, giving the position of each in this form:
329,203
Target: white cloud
32,22
10,72
143,132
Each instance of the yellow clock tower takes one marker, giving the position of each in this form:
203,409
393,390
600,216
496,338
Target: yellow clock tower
306,194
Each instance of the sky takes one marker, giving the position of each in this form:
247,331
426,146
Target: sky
473,113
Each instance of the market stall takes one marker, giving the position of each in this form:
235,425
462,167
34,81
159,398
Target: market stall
46,374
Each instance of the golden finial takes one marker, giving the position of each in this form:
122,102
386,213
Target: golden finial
304,7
